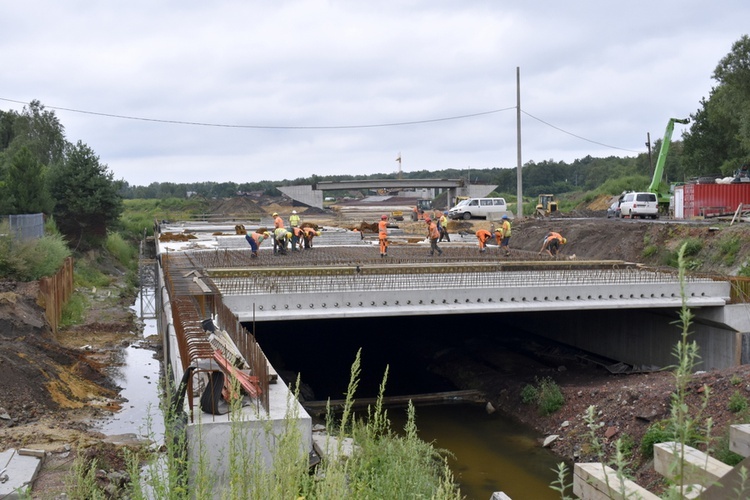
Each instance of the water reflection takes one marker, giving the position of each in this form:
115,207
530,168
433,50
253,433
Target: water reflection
137,371
491,452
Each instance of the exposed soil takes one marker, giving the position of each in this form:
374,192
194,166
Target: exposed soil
54,386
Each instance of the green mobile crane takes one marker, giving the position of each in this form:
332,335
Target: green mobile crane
659,188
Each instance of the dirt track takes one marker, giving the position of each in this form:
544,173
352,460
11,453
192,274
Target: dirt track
53,387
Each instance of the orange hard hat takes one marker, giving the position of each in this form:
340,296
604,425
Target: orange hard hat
427,219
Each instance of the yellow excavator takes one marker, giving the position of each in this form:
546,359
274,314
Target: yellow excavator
546,206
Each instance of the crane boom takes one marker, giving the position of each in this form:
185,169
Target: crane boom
662,194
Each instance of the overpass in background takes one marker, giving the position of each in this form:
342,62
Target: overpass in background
312,194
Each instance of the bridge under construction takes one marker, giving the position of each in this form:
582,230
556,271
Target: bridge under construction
207,280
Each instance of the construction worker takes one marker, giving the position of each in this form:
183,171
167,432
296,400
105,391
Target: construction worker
255,239
443,227
297,235
294,219
552,243
280,238
278,223
483,236
308,234
415,214
503,235
383,235
433,234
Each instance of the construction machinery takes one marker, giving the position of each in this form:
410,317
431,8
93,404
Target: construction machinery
657,186
547,205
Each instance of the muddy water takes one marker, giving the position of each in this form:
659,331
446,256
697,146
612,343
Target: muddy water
137,372
490,452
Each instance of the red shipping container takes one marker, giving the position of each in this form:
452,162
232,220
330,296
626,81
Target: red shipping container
701,200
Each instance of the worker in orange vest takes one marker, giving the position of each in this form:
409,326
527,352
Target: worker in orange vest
278,223
483,236
433,234
383,235
309,234
255,240
552,243
297,235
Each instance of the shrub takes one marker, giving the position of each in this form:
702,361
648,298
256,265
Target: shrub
546,394
737,402
692,246
650,251
658,432
31,260
529,394
551,398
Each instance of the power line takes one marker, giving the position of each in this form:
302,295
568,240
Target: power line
269,127
577,136
320,127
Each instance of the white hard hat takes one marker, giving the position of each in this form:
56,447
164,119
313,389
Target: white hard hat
294,211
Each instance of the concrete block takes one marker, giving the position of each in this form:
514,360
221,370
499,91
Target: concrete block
21,470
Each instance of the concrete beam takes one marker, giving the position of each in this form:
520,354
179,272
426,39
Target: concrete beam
304,194
389,184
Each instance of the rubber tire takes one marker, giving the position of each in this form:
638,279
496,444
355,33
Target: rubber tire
466,215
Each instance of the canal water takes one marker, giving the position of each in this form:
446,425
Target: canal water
491,452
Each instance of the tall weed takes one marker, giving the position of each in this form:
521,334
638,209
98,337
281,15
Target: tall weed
33,259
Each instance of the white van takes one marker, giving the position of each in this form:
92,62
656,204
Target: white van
477,207
639,205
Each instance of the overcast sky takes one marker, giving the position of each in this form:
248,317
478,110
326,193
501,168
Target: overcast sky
252,90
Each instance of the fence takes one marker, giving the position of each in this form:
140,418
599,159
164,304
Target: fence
55,291
26,226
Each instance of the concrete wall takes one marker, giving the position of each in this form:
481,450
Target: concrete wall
637,337
304,194
209,436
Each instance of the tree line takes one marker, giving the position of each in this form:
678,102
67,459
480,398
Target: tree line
41,171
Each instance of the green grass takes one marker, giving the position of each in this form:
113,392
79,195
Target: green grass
74,310
126,253
728,249
87,274
139,215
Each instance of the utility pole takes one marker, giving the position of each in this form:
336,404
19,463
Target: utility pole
519,187
399,165
650,160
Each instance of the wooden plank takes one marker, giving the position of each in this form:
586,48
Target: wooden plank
591,480
248,382
699,468
739,439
